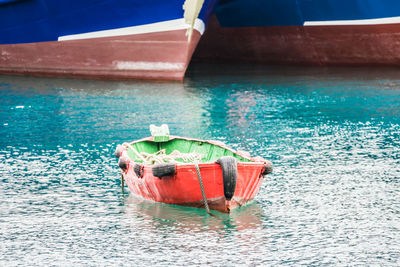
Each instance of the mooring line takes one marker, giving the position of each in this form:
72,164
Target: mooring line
122,183
202,189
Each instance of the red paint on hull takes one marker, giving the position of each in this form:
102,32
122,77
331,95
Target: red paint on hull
184,188
102,57
316,45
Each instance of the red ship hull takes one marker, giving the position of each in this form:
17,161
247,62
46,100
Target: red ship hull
314,45
159,55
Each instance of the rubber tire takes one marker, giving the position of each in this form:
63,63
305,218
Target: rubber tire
268,168
118,151
139,171
229,174
123,163
163,169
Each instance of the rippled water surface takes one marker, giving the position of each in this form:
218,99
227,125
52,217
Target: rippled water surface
333,198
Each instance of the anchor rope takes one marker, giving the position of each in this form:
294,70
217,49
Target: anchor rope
202,188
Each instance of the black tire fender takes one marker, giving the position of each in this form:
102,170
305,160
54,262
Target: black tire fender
268,167
229,174
139,170
163,169
119,150
123,163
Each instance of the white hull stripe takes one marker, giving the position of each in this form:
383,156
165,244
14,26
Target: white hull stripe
391,20
170,25
142,65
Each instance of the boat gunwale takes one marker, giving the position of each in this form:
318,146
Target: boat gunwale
207,165
244,154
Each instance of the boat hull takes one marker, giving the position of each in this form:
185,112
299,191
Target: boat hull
120,39
184,189
317,45
161,55
316,32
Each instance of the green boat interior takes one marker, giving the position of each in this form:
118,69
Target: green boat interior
203,151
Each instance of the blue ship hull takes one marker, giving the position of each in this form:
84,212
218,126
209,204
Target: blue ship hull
27,21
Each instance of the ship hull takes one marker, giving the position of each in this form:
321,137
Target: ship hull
162,55
317,45
120,39
323,32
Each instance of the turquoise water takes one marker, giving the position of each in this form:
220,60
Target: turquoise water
333,198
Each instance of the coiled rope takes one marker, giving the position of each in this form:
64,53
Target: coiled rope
162,156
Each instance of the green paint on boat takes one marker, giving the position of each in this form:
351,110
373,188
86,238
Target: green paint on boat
210,152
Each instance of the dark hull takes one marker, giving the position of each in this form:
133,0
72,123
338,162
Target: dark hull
316,45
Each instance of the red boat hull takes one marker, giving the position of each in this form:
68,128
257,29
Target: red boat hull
158,55
315,45
184,189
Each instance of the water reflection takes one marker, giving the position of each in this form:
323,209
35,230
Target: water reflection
94,109
144,213
231,109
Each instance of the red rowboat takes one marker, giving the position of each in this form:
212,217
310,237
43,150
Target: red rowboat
217,177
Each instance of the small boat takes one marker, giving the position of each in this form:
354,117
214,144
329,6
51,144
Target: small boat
190,172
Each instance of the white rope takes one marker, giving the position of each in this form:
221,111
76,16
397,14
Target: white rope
162,156
134,150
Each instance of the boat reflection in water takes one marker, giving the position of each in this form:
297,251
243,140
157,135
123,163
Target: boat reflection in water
144,213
